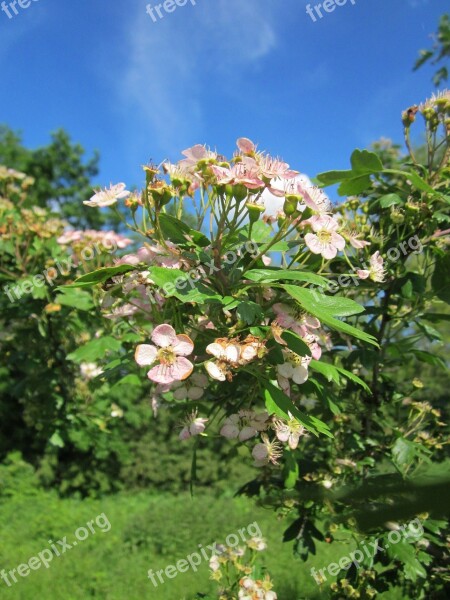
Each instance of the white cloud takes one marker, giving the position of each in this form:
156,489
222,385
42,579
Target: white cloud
171,62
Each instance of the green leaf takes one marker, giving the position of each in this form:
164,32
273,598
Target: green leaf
439,279
261,275
390,200
328,371
95,349
249,312
357,179
130,379
75,298
56,440
281,405
177,283
307,299
295,343
406,554
365,162
178,232
99,276
354,378
291,470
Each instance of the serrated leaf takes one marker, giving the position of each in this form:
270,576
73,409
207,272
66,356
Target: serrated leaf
260,275
99,276
307,299
278,403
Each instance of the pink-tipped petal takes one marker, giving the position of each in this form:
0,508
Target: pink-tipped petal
145,355
164,335
184,345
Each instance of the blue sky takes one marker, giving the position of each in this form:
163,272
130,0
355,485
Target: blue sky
138,90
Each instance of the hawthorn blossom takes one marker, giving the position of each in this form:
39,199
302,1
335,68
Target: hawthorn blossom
244,172
298,321
376,271
267,452
314,197
289,431
325,240
244,425
256,590
295,367
194,155
232,352
353,237
193,425
90,370
170,351
108,196
274,168
257,543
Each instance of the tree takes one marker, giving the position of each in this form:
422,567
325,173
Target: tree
62,175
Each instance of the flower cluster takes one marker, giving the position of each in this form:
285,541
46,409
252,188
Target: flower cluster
181,289
233,564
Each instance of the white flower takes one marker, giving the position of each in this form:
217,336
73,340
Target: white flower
257,543
193,426
108,196
376,270
325,240
90,370
289,431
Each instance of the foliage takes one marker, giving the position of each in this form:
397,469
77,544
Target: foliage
61,172
439,52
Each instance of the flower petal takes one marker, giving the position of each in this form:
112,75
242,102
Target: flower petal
215,371
145,355
164,335
184,345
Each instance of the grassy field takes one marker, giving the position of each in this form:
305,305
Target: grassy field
147,532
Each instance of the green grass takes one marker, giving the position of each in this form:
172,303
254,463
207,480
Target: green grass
147,532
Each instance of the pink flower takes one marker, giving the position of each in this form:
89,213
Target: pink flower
324,240
274,168
173,366
376,271
194,155
314,197
353,238
193,425
108,197
244,172
289,431
295,320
